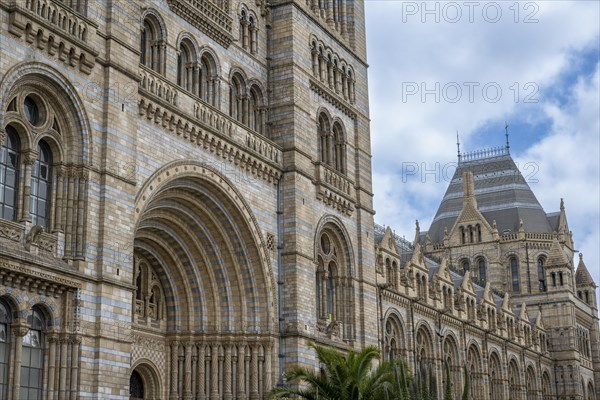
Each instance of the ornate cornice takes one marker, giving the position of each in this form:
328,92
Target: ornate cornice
26,276
65,34
332,98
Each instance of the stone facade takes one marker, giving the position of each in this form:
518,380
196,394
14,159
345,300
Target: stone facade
187,203
492,286
168,168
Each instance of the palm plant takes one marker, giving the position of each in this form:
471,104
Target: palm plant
350,377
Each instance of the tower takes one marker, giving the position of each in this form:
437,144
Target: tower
186,195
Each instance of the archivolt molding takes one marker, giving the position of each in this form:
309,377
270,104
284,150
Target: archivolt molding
189,169
56,86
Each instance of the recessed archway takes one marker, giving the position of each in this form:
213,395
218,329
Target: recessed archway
206,283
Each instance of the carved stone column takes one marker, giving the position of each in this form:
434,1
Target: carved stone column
195,79
58,207
227,394
52,343
244,33
75,341
79,231
315,62
254,373
28,161
69,213
174,395
254,40
201,388
214,372
187,384
267,369
62,377
241,378
18,332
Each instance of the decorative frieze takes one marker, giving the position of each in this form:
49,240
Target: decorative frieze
55,28
335,189
332,98
154,83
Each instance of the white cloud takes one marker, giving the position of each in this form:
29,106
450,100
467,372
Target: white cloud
546,54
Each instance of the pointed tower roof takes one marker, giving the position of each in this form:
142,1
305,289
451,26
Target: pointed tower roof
583,276
556,257
500,191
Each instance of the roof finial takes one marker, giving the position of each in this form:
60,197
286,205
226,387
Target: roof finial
458,145
507,144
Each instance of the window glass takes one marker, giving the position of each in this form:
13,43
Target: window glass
40,187
9,174
32,358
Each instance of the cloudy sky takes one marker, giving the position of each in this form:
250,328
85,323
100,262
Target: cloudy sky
441,67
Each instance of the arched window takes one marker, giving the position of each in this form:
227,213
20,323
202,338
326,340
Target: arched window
546,386
5,319
482,270
339,152
541,274
560,278
591,395
462,235
32,357
333,289
208,81
424,347
394,274
149,303
514,380
514,274
185,66
256,110
470,234
324,139
41,181
496,382
253,34
474,366
393,338
465,265
388,271
237,97
532,392
553,275
151,44
450,352
9,174
478,232
330,291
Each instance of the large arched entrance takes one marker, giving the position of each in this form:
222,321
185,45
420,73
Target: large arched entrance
203,287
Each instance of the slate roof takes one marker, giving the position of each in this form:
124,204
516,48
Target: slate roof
582,276
502,194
